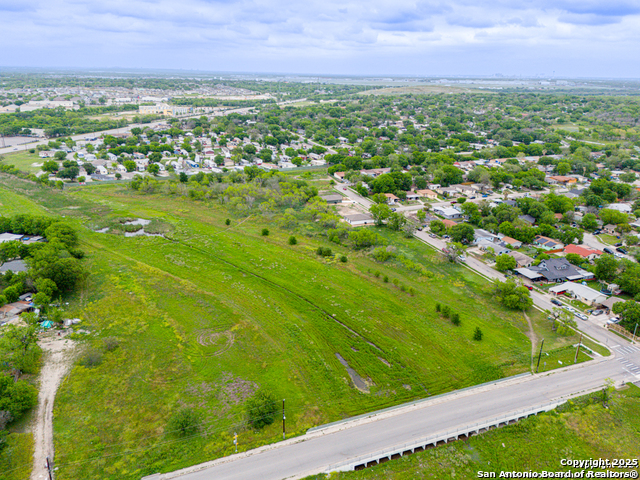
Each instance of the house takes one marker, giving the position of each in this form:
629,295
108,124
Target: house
547,243
580,292
447,212
495,247
522,260
332,198
610,302
620,207
391,198
479,235
527,219
610,229
512,242
447,191
10,237
449,223
413,196
340,175
587,253
431,195
560,270
359,219
563,179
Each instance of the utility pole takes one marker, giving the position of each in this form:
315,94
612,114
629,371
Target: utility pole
578,349
540,355
634,332
283,419
235,441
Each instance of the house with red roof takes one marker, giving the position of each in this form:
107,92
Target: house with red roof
587,253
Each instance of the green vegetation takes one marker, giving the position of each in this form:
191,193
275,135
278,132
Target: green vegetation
579,429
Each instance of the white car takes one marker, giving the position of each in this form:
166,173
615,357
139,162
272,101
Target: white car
581,316
618,255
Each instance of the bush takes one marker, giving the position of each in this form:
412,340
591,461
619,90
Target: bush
293,240
111,343
261,410
183,423
438,307
343,259
412,291
92,358
385,279
446,311
377,274
395,281
455,319
324,251
265,232
477,334
227,222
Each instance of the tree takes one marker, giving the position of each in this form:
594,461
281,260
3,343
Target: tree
183,423
472,211
380,212
69,172
261,410
629,312
130,165
589,222
511,295
396,221
563,168
453,252
153,168
477,334
50,166
183,177
155,157
19,348
292,240
462,233
438,227
606,268
62,232
264,232
16,397
505,262
421,214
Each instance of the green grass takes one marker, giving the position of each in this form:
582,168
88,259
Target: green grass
283,312
580,429
16,457
608,239
23,160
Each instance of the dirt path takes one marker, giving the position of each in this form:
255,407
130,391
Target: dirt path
57,360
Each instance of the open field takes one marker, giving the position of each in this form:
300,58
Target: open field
208,315
23,160
424,89
581,429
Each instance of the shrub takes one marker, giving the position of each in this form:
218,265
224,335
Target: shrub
438,308
265,232
403,288
261,410
412,291
111,343
183,423
227,222
92,358
343,259
395,281
377,274
293,240
385,279
455,319
324,251
446,311
477,334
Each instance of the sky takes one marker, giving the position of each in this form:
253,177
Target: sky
562,38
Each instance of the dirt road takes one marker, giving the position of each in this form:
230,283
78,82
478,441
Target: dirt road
56,362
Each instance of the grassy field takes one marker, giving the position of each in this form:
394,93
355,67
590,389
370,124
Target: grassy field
23,160
581,429
210,314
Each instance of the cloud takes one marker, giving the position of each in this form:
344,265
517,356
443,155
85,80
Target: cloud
325,36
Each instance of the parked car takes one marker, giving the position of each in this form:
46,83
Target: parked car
446,236
393,209
607,250
618,255
529,287
581,316
598,312
621,250
597,232
419,229
618,245
556,302
613,320
432,235
344,188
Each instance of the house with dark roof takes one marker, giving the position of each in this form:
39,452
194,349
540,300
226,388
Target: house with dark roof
527,218
560,270
547,243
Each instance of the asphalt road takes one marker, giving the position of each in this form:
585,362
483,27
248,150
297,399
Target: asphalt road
314,453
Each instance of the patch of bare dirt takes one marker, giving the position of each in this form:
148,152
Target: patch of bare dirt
57,359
